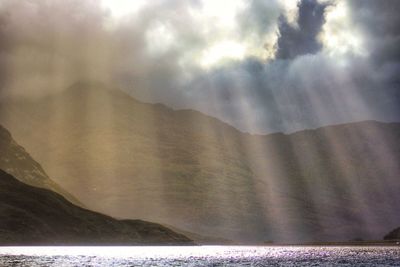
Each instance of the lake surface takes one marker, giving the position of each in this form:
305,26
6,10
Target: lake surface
200,256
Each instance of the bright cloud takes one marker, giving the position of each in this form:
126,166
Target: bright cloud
268,60
339,36
122,8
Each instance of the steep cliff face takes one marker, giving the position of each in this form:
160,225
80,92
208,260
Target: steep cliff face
36,216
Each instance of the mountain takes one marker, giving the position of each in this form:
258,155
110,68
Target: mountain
393,235
16,161
36,216
130,159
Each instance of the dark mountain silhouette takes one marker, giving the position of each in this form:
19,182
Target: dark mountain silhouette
393,235
130,159
16,161
36,216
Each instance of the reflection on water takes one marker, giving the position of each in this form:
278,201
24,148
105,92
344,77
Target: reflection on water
200,256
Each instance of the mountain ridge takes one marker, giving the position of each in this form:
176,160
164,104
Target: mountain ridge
192,171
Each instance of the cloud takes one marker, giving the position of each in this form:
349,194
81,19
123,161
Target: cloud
332,67
263,66
379,23
48,44
290,95
301,38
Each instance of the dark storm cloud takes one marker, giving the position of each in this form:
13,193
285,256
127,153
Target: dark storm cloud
48,45
301,39
380,23
307,86
376,17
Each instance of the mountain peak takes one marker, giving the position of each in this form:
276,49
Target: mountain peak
186,169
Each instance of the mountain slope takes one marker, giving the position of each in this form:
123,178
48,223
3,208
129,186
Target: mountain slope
343,178
130,159
16,161
393,235
35,216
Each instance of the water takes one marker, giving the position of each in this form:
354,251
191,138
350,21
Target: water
199,256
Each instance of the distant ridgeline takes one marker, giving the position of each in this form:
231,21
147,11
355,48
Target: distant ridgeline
35,215
130,159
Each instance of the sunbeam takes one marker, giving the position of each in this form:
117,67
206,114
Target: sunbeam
201,122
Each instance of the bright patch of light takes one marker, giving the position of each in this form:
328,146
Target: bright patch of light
268,51
338,37
226,50
121,8
137,252
221,12
159,39
214,21
218,23
291,10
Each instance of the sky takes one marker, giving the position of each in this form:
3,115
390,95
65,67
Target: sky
261,65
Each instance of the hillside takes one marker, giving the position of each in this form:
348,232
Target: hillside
130,159
16,161
35,216
393,235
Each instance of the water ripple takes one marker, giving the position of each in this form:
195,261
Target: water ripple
199,256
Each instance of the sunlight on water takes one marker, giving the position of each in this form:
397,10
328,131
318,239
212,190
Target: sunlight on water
200,256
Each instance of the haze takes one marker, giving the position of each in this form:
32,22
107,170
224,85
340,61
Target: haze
253,64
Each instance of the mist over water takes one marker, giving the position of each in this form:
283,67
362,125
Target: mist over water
200,256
